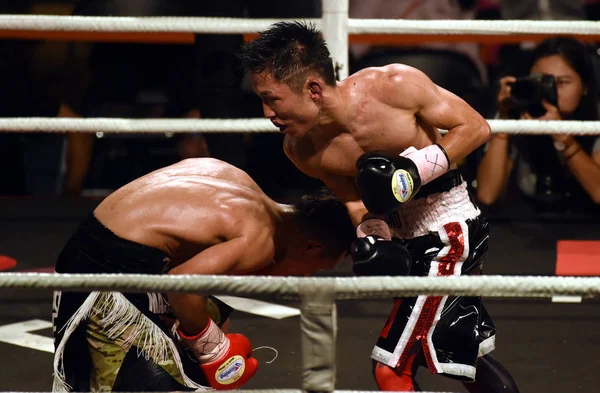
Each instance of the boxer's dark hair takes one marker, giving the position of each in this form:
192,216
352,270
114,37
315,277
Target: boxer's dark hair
322,216
289,51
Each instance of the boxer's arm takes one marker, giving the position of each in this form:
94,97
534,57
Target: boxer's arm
366,223
409,88
344,188
224,258
216,351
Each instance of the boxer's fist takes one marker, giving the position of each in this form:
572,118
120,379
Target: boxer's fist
380,172
386,180
372,257
226,360
235,367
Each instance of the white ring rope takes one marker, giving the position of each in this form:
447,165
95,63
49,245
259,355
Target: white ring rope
476,27
266,391
148,126
543,127
208,25
342,287
163,24
161,126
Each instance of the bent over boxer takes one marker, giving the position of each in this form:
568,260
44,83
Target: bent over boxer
373,139
200,216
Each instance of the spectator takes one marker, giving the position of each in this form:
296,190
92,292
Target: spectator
455,66
513,58
555,171
127,80
31,163
134,81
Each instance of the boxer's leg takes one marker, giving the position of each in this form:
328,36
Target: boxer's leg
399,380
138,374
491,377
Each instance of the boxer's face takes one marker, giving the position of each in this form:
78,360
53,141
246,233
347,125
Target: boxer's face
569,85
294,113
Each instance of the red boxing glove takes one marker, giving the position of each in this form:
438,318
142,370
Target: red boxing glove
226,360
235,368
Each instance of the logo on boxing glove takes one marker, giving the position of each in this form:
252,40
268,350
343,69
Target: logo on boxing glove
231,370
402,185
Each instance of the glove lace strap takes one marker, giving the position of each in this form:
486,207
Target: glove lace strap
209,345
374,227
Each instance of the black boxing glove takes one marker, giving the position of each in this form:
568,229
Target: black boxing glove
386,180
372,257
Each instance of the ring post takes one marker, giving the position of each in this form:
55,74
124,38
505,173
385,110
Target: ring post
335,31
318,325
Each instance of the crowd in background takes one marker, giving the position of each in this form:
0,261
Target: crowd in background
556,174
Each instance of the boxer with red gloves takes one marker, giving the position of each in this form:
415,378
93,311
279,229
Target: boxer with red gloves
199,216
405,186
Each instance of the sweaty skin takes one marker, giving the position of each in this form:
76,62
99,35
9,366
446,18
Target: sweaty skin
387,108
189,207
208,216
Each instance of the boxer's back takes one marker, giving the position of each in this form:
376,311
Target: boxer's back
186,207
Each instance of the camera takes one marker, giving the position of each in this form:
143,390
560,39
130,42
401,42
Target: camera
528,92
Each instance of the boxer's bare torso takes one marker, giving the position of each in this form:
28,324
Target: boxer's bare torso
370,121
388,108
188,207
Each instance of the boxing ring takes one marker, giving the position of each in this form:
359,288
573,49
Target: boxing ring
318,318
317,296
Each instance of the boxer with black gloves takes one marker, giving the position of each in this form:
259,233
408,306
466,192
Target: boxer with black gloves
405,186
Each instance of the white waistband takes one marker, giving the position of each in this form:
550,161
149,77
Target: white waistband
421,216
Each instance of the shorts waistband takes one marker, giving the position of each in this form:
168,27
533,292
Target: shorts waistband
94,248
443,183
423,215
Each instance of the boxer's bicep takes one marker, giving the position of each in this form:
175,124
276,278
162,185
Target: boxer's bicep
442,109
433,104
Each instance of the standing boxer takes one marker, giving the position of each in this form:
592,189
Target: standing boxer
373,139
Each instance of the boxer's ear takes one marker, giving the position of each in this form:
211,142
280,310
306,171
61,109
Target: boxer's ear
315,90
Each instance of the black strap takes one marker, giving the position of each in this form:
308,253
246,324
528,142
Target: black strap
443,183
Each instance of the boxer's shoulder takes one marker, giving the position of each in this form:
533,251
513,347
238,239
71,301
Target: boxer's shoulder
393,84
381,75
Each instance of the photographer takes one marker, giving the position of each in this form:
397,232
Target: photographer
558,171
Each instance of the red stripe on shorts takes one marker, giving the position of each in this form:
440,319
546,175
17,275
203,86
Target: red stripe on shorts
426,317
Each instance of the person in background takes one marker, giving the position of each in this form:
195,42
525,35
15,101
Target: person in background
556,171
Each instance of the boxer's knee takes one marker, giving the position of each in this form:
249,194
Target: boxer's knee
140,374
